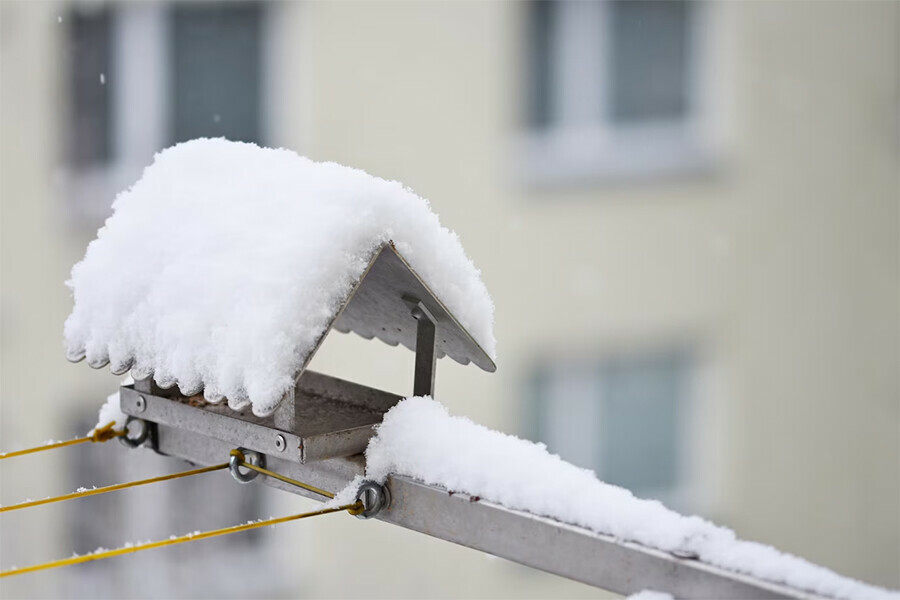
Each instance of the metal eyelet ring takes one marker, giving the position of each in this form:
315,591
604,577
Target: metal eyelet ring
143,432
374,498
249,457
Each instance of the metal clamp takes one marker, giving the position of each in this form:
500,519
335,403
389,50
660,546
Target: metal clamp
245,456
143,432
374,498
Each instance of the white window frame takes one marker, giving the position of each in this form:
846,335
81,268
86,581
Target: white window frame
582,145
139,103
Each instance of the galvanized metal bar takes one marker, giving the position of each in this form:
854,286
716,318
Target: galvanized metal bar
164,411
331,474
537,542
565,550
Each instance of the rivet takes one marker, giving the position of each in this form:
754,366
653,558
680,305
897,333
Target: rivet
141,404
280,444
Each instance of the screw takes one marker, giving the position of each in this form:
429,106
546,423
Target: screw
141,404
280,444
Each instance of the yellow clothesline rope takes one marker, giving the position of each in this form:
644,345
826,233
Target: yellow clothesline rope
240,456
113,488
101,434
74,560
107,432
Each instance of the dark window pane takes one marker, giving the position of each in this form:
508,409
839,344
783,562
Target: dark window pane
216,78
540,96
90,36
639,432
649,66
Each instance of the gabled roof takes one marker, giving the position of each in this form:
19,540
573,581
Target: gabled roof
226,264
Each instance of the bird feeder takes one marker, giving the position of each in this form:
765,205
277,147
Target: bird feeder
322,416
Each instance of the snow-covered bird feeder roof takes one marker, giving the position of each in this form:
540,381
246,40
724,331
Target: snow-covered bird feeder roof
223,268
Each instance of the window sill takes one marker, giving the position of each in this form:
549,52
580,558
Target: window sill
560,157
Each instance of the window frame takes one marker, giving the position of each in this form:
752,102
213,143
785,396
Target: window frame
602,151
140,103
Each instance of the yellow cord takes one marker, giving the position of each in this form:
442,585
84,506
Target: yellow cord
356,509
74,560
300,484
105,433
113,488
101,434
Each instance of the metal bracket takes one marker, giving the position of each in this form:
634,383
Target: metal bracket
426,353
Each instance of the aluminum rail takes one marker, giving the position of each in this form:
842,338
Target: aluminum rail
537,542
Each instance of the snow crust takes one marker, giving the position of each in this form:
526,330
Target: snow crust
221,267
420,439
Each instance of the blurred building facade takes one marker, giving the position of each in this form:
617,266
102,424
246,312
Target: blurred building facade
688,215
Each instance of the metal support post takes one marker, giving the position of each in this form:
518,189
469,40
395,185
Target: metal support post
426,353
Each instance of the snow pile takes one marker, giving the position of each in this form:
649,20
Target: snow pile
418,438
650,595
110,411
347,495
223,265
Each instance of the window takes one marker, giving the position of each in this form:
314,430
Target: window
216,71
142,76
650,70
628,418
617,88
90,34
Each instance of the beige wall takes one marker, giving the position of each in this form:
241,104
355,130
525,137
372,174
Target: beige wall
813,332
782,265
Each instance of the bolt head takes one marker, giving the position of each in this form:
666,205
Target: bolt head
280,444
141,404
